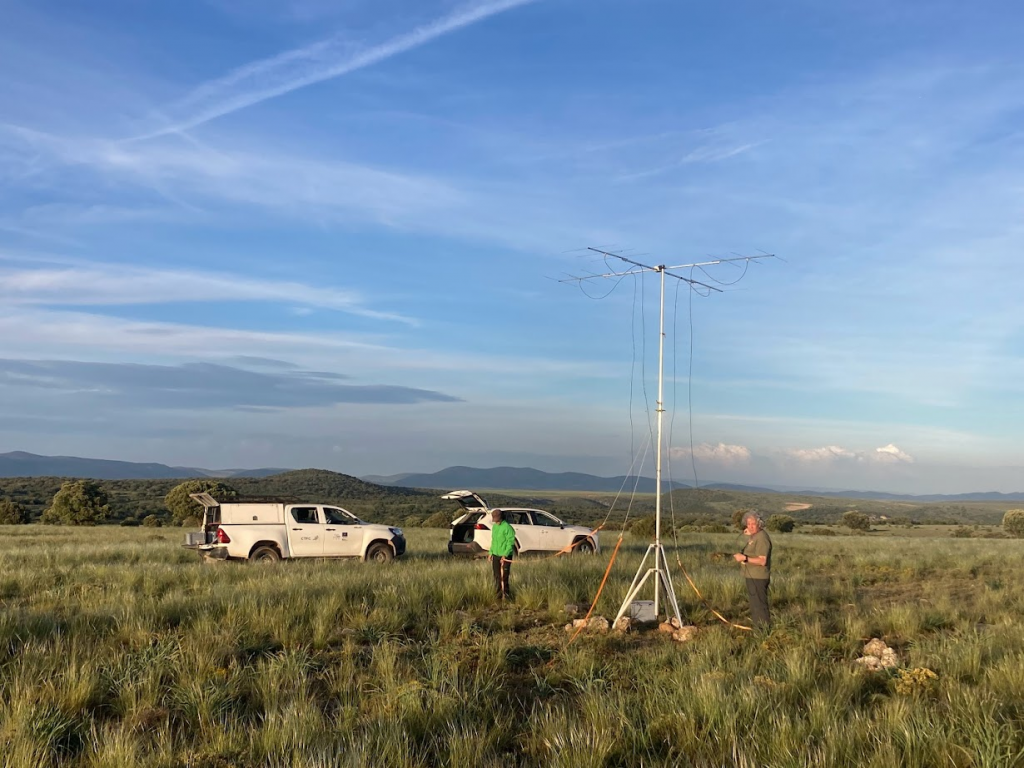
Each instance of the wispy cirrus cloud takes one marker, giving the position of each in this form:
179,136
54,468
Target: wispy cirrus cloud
99,182
119,285
300,67
58,334
194,178
705,153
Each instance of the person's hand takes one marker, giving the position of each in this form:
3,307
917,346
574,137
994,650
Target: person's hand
739,557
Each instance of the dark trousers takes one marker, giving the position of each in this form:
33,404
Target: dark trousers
501,569
757,590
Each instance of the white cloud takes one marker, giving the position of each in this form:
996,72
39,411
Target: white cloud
118,285
52,334
890,454
181,179
191,175
719,453
314,63
823,454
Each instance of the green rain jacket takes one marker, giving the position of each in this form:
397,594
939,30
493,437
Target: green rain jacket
503,539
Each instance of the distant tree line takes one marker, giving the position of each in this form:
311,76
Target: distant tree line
167,502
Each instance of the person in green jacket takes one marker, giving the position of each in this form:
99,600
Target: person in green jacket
503,545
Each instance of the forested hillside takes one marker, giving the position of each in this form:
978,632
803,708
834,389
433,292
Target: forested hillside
684,507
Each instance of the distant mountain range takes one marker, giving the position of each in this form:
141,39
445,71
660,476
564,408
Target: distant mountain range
519,478
527,479
22,464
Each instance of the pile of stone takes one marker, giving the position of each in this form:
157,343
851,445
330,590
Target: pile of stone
878,656
593,624
626,624
679,633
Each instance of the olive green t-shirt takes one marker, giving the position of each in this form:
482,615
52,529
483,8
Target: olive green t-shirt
758,545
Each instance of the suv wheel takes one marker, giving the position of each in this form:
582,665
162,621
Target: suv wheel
585,547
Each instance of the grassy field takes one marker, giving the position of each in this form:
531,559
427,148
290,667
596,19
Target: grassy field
117,648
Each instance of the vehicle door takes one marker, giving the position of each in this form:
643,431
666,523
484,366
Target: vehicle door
343,533
548,531
305,531
526,533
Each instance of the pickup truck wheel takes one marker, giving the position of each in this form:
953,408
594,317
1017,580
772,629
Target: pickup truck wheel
585,547
264,555
380,553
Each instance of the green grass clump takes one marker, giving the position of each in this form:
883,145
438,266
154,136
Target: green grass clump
118,648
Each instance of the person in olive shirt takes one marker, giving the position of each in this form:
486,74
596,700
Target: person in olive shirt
755,561
503,544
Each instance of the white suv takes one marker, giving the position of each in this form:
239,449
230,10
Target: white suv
536,530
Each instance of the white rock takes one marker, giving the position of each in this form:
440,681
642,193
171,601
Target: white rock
684,634
875,647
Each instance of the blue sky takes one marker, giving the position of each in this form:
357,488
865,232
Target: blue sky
310,233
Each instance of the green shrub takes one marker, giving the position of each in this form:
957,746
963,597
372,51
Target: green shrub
857,521
181,506
962,532
917,681
78,502
413,521
816,531
130,522
12,513
152,521
781,523
438,520
643,528
714,528
1013,523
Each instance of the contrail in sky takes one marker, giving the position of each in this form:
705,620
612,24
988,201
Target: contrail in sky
314,63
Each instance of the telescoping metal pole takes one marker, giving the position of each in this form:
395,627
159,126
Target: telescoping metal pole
657,466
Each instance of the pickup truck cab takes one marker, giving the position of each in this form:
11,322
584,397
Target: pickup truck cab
269,531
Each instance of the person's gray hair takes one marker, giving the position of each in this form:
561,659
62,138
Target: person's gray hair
753,514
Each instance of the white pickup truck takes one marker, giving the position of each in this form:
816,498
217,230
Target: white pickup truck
270,531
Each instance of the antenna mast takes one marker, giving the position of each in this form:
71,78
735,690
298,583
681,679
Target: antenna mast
659,570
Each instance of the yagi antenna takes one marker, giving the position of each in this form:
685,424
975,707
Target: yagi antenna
660,572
